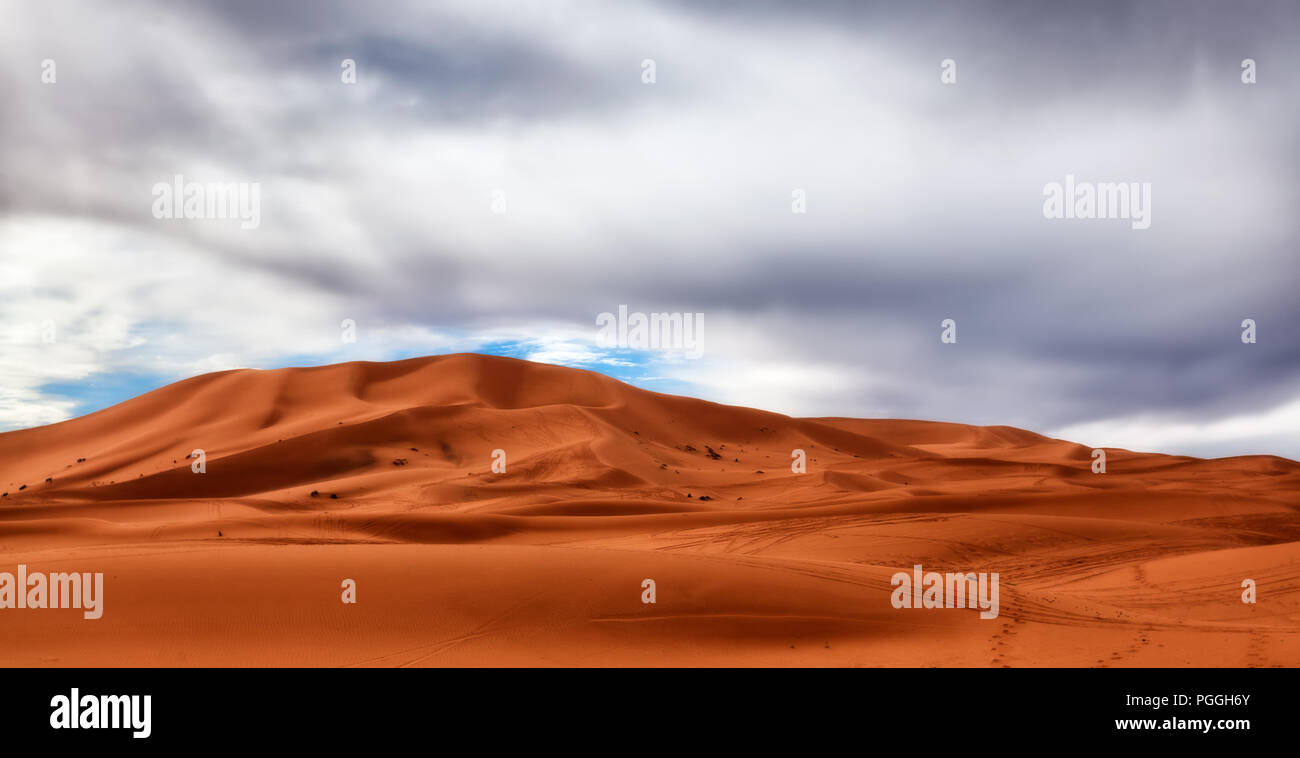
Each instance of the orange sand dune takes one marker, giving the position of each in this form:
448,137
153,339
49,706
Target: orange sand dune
382,473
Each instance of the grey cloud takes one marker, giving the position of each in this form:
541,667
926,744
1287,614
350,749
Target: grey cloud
1058,324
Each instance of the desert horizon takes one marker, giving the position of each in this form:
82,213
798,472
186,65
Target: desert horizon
952,340
473,510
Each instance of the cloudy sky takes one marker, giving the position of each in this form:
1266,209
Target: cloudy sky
924,201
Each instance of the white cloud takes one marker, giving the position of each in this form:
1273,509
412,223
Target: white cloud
1165,433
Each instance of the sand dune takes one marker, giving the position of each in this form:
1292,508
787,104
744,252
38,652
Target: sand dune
382,473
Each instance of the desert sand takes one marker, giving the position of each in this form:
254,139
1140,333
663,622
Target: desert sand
607,485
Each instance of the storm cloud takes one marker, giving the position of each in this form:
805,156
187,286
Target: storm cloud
924,201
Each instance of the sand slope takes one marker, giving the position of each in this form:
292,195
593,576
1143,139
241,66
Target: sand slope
607,485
